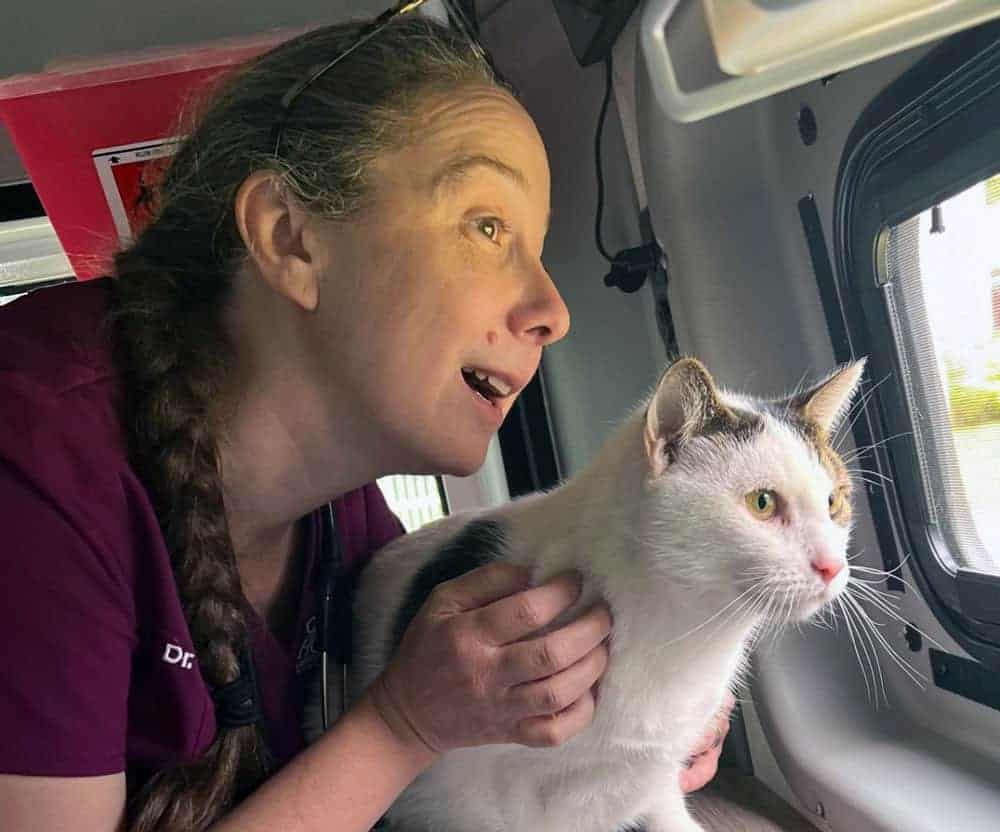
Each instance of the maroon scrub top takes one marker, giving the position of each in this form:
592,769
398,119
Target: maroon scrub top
97,673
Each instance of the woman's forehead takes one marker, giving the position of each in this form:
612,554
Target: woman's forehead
470,131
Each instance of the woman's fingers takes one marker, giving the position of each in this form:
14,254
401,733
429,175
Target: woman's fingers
557,693
463,675
479,587
541,657
704,761
517,616
555,729
717,729
700,773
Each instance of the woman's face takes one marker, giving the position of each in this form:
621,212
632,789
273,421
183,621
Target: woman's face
440,281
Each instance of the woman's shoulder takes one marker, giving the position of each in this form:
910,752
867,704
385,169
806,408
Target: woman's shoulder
63,461
56,338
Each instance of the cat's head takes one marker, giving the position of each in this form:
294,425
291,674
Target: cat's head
757,500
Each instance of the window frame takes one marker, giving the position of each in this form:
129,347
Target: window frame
931,134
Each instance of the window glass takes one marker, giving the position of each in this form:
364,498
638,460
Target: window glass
943,293
415,500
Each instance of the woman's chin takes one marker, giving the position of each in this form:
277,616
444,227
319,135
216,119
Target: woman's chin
454,459
464,467
462,459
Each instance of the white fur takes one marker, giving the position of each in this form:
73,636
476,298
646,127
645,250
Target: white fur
667,553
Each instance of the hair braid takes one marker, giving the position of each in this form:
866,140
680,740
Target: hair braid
161,344
170,343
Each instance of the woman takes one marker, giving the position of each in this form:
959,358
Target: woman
299,319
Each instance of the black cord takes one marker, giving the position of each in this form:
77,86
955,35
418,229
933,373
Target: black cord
631,266
597,159
462,15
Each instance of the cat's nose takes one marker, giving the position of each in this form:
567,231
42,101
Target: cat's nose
827,566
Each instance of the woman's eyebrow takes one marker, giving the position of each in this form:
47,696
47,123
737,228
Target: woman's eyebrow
455,169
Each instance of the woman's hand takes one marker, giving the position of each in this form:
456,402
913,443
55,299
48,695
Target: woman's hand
468,672
704,760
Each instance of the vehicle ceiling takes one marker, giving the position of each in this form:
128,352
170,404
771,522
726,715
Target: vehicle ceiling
37,33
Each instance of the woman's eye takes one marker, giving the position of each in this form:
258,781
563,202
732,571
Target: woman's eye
762,502
491,227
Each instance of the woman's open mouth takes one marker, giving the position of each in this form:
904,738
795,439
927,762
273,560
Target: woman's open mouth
488,387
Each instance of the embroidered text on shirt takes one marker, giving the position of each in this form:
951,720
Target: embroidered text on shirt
175,654
308,655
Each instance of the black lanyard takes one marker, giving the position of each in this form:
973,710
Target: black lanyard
239,703
335,596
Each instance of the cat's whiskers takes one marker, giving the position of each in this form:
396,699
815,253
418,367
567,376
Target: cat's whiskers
857,476
867,635
824,619
872,596
750,612
744,614
859,406
870,472
847,459
790,397
766,611
918,678
878,580
860,649
710,619
879,575
866,627
795,593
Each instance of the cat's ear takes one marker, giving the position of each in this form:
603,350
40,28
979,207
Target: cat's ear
826,404
685,400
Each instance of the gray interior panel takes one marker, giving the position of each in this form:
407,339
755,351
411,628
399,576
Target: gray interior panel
723,195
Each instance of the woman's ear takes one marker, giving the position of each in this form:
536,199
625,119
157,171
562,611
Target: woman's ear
272,225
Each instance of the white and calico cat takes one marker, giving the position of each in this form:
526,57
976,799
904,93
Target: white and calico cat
706,518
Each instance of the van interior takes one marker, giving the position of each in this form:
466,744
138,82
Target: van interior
773,186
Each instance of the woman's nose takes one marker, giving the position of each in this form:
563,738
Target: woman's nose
541,314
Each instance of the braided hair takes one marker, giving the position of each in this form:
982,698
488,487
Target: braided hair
174,355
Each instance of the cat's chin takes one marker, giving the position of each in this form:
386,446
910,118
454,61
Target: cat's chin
811,606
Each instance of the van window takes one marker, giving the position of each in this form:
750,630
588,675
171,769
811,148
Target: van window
915,218
943,297
415,500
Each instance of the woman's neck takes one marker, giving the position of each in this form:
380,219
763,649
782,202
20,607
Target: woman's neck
271,574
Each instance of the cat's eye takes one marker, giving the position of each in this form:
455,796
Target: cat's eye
762,502
836,503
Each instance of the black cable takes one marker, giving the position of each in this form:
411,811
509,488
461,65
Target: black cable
597,159
462,15
631,266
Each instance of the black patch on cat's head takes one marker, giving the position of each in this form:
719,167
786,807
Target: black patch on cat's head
741,425
687,404
477,544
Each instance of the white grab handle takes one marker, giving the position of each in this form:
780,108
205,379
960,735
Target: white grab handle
695,105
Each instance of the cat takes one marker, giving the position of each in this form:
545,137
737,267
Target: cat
707,518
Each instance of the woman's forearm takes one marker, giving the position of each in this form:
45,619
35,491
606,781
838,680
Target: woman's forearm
344,781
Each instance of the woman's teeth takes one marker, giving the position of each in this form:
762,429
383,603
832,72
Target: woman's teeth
497,386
